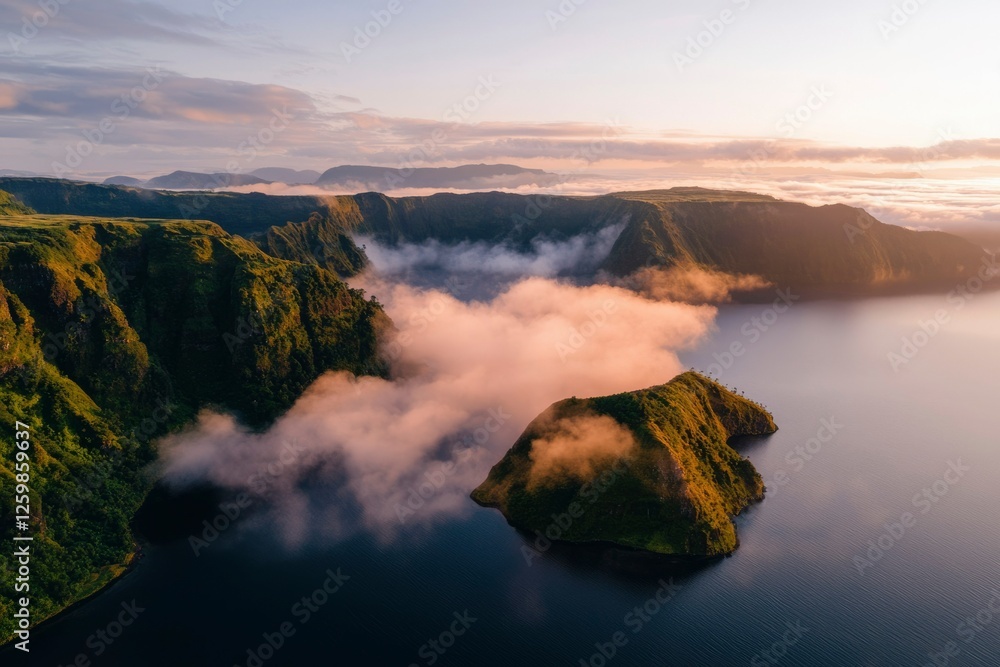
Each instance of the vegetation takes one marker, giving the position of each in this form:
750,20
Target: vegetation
816,251
115,331
812,250
9,205
320,240
682,482
243,214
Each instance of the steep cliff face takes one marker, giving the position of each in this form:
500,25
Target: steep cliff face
320,240
492,217
834,249
114,331
243,214
122,302
650,469
827,250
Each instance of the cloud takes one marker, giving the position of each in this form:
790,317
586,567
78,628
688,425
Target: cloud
577,448
116,20
731,150
392,141
8,96
472,376
549,258
692,284
200,123
47,108
347,99
152,117
91,94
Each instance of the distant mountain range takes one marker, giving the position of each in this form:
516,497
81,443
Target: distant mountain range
349,177
379,179
127,181
189,180
289,176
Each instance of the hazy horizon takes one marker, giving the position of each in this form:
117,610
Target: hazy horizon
738,91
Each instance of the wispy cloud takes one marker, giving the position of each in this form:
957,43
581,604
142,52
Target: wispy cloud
85,94
117,20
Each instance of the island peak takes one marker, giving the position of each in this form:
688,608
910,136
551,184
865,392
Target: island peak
675,481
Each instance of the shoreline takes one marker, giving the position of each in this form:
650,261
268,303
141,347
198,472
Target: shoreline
131,564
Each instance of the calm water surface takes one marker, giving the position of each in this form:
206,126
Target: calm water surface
806,559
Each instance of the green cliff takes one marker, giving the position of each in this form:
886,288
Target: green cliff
668,483
9,205
113,332
815,251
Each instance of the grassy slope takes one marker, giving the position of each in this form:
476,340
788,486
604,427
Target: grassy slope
103,324
684,482
9,205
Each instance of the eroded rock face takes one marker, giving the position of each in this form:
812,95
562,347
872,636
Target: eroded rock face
650,469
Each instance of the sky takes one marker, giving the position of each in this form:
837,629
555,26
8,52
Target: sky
637,88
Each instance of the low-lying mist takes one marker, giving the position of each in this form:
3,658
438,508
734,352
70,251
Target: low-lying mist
691,284
547,258
577,448
481,270
470,374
